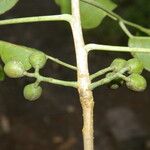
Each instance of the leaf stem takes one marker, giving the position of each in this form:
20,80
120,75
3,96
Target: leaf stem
51,80
124,28
101,72
91,47
61,62
62,17
143,29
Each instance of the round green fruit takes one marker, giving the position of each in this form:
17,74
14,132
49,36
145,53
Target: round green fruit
38,59
14,69
136,82
135,66
32,92
118,64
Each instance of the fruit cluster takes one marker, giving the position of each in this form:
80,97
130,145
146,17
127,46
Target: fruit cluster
15,69
131,74
134,80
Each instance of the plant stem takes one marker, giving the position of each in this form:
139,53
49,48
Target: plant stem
124,28
85,94
101,72
145,30
62,17
59,82
91,47
116,17
61,62
109,79
123,77
51,80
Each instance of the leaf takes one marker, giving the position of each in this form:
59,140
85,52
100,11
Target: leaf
143,42
6,5
65,6
91,16
10,51
2,74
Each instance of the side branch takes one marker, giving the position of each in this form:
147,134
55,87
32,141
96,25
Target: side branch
101,72
124,28
91,47
51,80
109,79
61,62
63,17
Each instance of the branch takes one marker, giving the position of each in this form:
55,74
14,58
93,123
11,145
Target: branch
91,47
41,78
101,72
124,28
109,79
116,17
61,62
145,30
63,17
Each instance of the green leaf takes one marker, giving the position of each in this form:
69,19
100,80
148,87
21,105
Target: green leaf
91,16
6,5
65,6
143,42
10,52
2,74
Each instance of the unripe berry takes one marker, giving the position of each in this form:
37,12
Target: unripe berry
14,69
136,82
37,59
118,63
32,92
135,66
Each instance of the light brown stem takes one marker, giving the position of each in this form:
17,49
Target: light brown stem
84,82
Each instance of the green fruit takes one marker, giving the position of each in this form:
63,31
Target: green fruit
32,92
118,64
136,82
135,66
38,60
14,69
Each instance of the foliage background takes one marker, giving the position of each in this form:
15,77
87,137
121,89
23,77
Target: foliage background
55,120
